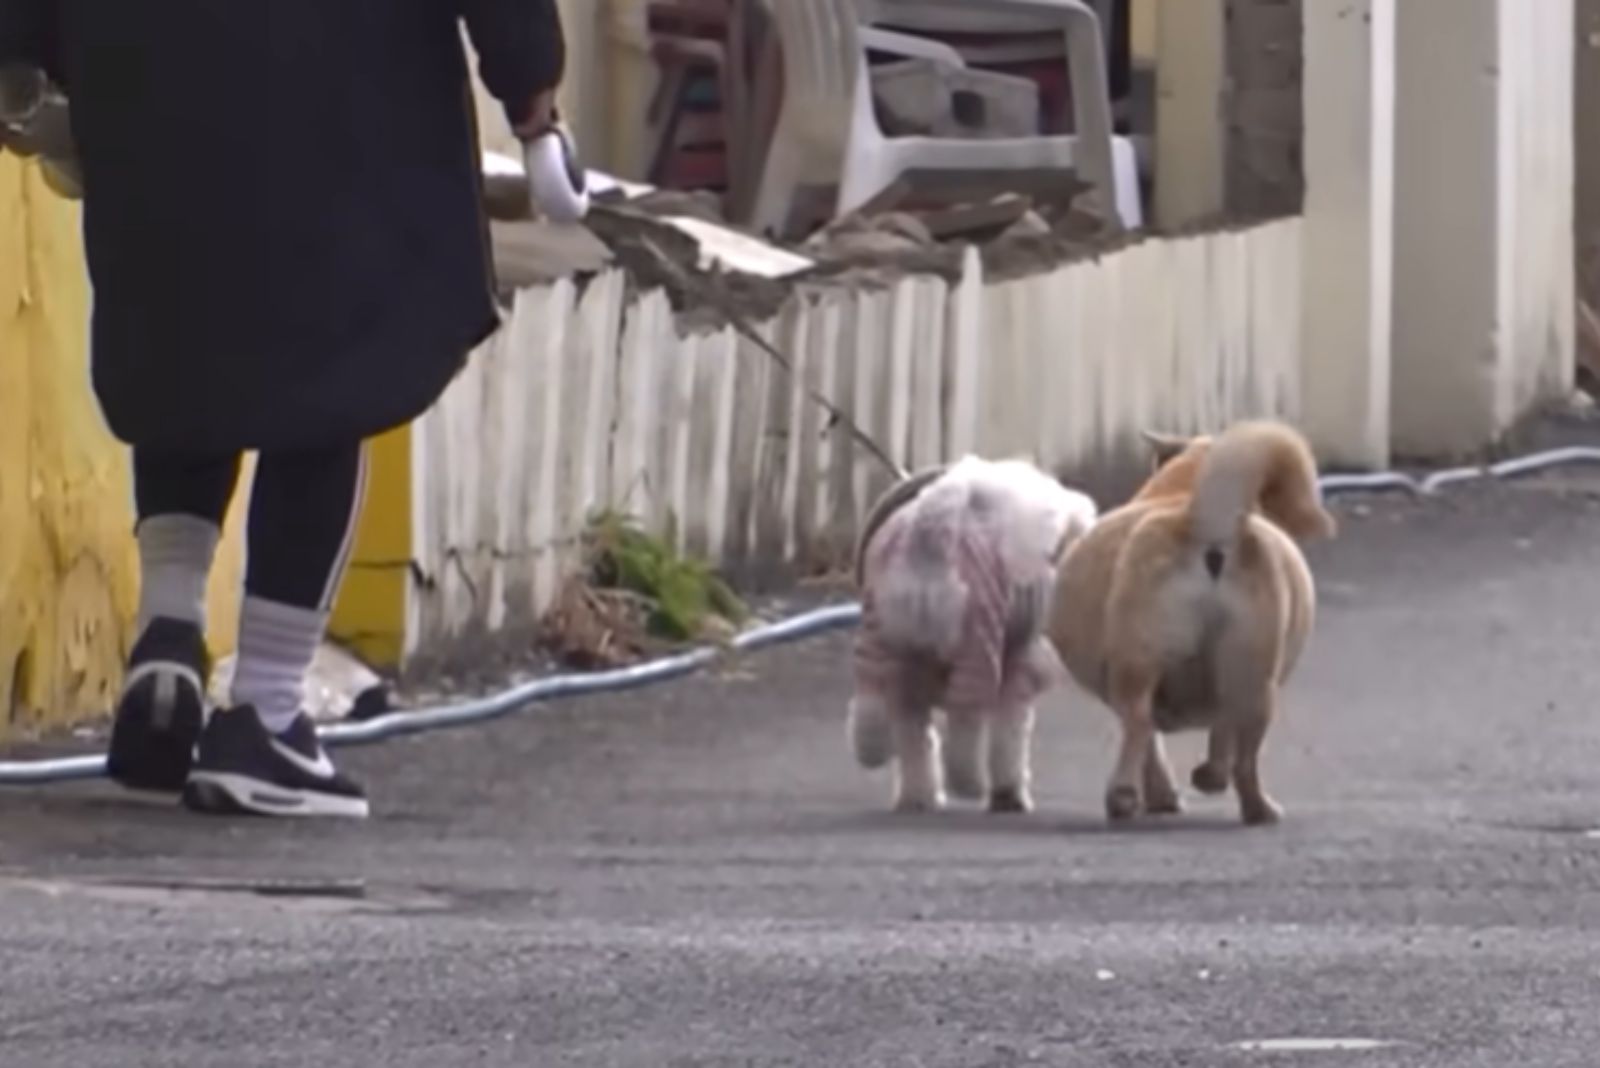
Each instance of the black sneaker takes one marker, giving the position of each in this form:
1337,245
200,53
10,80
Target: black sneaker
242,768
162,709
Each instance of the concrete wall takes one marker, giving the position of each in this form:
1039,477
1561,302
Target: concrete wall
1483,299
1537,53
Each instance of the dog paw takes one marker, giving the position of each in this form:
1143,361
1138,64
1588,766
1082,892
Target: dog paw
1168,804
1209,779
1122,802
1010,800
1262,812
871,739
918,803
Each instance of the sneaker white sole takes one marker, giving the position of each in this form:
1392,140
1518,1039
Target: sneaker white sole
218,791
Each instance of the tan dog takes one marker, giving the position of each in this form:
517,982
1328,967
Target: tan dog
1188,608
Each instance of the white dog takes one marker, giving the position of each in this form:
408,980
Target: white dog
956,567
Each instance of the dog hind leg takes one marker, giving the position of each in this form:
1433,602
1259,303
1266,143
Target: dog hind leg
1256,807
1010,760
1213,775
1132,698
963,754
917,785
870,730
1160,792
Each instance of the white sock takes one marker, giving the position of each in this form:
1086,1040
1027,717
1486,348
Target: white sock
175,555
277,643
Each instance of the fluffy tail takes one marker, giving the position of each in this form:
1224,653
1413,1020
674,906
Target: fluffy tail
1257,465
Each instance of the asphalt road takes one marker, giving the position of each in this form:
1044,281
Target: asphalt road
698,875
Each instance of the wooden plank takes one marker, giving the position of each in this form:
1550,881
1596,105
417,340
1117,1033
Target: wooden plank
515,427
1214,380
869,365
545,354
570,386
1032,346
599,333
1286,313
806,420
1153,322
1234,301
898,344
635,483
724,372
702,405
840,444
999,330
927,371
823,445
1098,356
461,410
1188,413
750,416
681,440
966,332
775,443
1056,366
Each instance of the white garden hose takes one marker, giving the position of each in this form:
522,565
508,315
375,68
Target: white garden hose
522,698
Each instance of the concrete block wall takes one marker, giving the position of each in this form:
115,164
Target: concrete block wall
1264,111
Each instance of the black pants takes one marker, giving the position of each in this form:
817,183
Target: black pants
303,512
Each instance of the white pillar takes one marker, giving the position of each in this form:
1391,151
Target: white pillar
1483,231
1348,229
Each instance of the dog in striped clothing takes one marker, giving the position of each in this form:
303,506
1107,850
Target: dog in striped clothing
956,567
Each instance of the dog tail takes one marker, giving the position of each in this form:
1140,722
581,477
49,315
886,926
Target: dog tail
1253,465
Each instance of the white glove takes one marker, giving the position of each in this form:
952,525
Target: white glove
557,182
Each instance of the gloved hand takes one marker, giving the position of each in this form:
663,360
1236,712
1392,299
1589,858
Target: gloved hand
557,182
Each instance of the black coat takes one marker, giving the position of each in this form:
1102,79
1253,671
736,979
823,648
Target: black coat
282,203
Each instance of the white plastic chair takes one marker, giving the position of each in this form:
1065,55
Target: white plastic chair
828,133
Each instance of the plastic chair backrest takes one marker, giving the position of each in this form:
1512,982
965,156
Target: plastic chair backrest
822,58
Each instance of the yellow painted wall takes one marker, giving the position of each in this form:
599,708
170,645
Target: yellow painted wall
68,568
370,616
